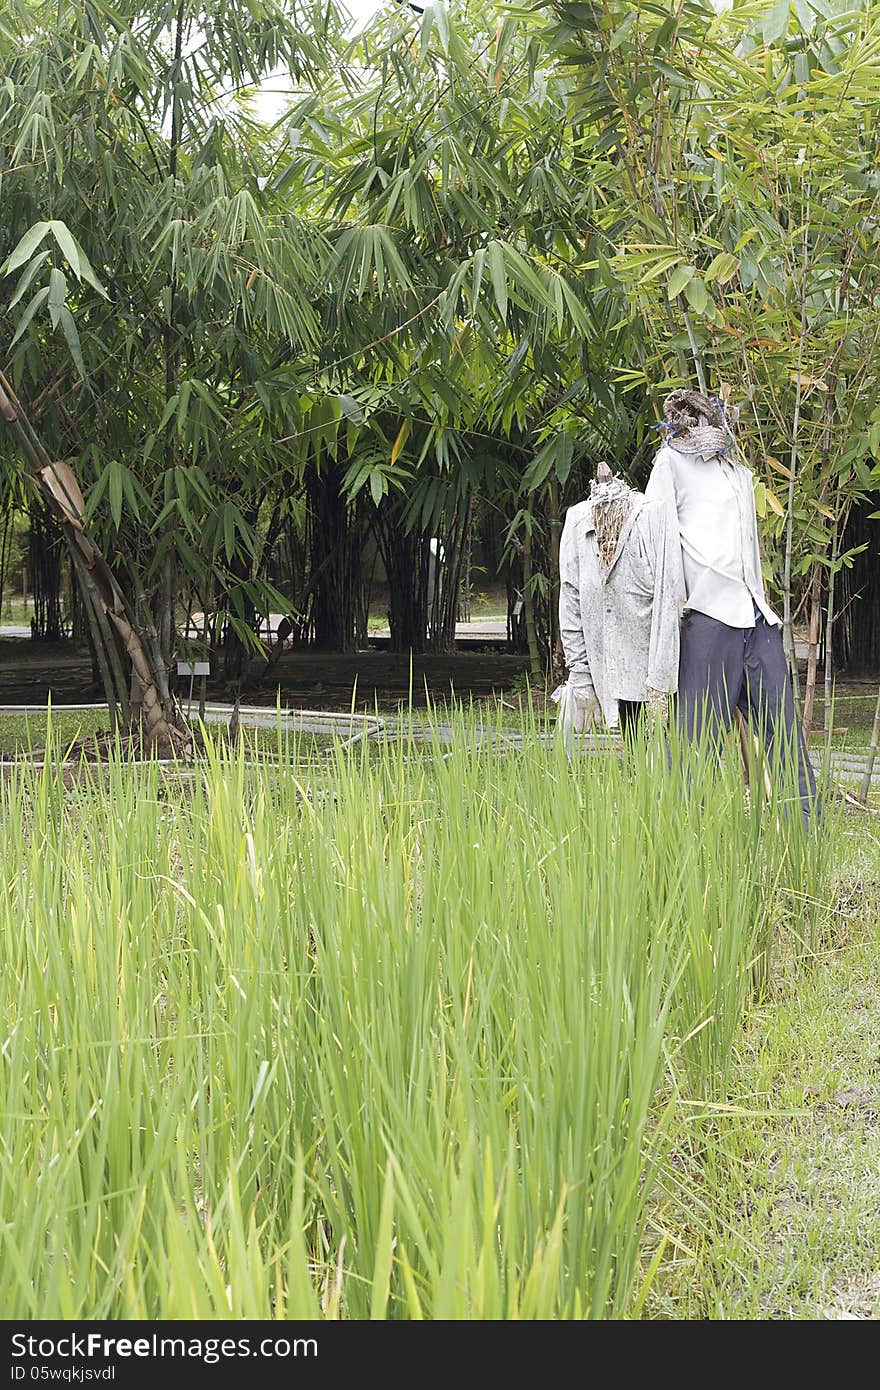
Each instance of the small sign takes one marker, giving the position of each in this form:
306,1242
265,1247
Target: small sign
194,668
518,608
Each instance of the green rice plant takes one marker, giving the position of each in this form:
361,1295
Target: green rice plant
388,1036
752,865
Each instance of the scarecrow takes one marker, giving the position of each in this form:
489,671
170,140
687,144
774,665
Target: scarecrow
618,606
732,657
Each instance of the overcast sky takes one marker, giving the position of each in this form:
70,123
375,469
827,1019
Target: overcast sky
361,10
270,101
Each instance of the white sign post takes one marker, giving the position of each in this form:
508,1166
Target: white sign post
193,669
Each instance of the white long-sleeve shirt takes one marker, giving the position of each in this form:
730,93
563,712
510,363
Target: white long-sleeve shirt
713,501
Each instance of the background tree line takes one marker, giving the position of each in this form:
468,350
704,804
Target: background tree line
479,247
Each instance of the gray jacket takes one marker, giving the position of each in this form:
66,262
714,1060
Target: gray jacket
621,628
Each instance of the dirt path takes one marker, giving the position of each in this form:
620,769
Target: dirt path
31,671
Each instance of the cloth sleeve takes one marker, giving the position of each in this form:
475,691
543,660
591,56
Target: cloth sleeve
661,488
753,527
663,650
571,629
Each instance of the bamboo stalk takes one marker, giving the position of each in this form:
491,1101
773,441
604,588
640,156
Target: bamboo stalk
788,630
103,590
827,716
695,351
102,639
528,599
557,657
813,652
168,568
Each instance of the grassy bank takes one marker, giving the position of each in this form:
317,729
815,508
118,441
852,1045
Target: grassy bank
775,1203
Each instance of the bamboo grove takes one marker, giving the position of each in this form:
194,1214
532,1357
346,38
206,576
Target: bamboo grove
465,263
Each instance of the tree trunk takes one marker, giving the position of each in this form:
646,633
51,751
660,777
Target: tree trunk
445,564
857,628
45,549
872,754
405,557
168,573
335,554
529,600
100,638
57,484
557,656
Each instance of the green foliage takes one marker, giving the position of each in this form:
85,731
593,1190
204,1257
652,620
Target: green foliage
738,152
403,253
399,1037
468,261
131,127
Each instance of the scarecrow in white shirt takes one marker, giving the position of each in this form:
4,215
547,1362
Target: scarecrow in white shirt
731,641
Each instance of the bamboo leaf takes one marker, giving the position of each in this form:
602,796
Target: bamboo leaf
622,32
38,299
429,15
680,277
378,485
57,294
402,436
773,502
25,248
696,294
25,281
351,409
76,256
775,23
114,492
442,22
168,413
817,382
498,272
71,334
67,244
722,268
760,498
229,531
779,466
659,267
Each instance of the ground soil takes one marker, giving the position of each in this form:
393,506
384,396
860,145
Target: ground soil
31,672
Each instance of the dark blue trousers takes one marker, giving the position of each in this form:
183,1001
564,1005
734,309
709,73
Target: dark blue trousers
722,669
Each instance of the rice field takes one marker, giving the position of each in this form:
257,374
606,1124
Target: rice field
401,1033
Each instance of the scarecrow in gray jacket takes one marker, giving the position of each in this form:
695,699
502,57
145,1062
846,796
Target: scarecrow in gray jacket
618,603
731,644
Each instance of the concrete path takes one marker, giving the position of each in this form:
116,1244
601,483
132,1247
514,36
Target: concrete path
476,630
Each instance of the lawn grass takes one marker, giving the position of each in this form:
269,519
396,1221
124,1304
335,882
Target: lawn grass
16,609
24,733
775,1206
27,734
